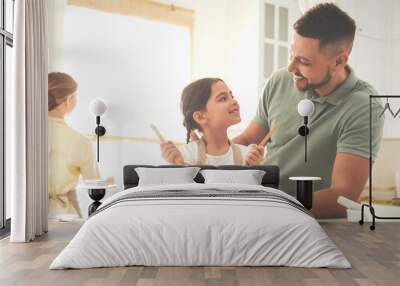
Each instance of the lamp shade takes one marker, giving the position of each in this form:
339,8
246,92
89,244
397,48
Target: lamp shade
97,107
305,107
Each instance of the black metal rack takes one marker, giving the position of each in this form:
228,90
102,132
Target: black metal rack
369,205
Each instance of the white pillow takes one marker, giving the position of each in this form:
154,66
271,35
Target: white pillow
163,176
248,177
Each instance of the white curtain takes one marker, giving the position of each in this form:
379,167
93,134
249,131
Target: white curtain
28,122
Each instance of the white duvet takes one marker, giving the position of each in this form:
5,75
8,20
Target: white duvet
200,231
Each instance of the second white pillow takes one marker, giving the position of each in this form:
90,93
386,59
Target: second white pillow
163,176
248,177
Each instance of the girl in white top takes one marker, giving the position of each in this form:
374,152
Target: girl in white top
209,107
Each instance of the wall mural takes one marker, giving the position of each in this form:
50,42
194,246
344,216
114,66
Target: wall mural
159,84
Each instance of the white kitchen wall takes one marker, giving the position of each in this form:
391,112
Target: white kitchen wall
138,67
394,64
370,42
393,67
375,56
226,45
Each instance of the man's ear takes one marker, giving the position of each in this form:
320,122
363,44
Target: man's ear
199,117
341,60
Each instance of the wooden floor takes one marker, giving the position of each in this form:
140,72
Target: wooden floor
374,255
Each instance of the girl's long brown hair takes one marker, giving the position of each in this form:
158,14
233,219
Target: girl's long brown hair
61,85
194,98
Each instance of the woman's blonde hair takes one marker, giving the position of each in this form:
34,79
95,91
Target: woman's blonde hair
61,85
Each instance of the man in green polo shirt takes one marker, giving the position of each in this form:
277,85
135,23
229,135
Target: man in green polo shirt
338,144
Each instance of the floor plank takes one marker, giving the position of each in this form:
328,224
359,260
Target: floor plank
374,255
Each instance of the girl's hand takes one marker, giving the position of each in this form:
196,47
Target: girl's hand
170,153
255,155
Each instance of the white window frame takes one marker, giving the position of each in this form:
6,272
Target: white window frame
6,40
293,14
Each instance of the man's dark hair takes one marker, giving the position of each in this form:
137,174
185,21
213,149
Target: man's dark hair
327,23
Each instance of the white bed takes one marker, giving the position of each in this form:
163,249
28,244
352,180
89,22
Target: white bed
185,230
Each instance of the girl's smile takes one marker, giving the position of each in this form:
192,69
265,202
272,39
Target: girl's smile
235,111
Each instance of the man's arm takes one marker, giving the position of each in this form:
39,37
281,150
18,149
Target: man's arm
253,134
349,175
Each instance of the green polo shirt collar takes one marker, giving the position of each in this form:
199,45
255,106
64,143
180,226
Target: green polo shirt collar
339,93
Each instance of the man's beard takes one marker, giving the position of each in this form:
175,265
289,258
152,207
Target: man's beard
314,86
325,81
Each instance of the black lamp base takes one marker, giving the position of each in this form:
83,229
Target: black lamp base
100,130
304,130
96,195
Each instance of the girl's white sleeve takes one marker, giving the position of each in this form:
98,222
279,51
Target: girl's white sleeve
189,153
243,150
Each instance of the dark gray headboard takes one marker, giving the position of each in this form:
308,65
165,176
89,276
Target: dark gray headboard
270,179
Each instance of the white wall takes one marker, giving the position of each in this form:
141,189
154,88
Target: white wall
393,67
138,67
370,43
226,45
375,55
395,47
243,56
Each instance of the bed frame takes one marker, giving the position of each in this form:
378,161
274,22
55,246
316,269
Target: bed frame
270,179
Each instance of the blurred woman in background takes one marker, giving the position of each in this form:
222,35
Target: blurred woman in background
70,153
